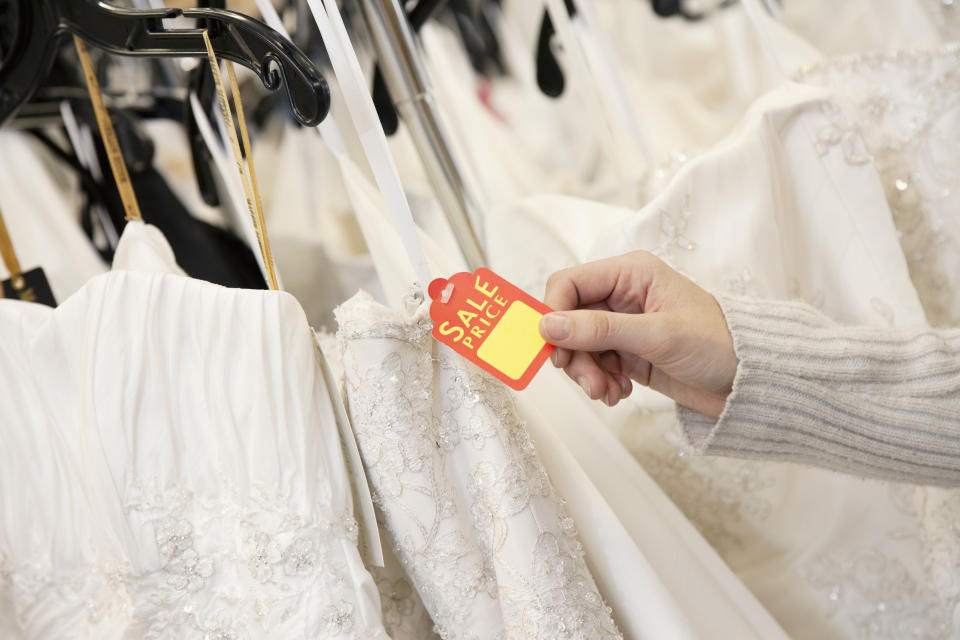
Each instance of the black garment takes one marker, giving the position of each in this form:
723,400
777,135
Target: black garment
204,251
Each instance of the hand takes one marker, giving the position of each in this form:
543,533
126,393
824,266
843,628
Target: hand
634,318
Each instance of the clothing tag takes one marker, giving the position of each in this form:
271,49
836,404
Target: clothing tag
31,286
491,323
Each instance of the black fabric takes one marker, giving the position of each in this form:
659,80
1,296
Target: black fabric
204,251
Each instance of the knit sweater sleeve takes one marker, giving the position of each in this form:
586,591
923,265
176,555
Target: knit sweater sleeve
883,403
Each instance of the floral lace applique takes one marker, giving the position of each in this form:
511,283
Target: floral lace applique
659,178
404,616
814,298
673,230
877,594
884,310
475,522
842,133
878,597
938,512
739,284
906,106
225,567
718,495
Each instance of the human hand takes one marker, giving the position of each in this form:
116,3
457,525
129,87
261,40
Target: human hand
635,318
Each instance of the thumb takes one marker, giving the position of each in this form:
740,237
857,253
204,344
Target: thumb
588,330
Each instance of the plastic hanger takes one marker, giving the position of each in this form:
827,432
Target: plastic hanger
479,36
479,40
550,76
668,8
417,16
201,84
31,31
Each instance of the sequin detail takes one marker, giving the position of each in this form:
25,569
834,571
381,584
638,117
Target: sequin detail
673,230
473,518
224,567
906,106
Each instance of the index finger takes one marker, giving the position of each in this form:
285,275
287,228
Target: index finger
620,281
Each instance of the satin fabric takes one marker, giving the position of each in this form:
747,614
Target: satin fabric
170,465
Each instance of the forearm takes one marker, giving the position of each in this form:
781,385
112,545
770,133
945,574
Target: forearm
874,402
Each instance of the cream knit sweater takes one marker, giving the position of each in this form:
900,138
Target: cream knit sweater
874,402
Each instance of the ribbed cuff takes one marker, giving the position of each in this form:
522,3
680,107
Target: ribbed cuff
874,402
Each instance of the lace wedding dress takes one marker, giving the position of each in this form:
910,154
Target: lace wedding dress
844,196
790,206
471,480
905,108
796,205
461,492
170,466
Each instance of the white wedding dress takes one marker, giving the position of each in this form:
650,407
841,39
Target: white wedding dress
38,219
170,466
465,501
906,108
844,196
461,493
792,205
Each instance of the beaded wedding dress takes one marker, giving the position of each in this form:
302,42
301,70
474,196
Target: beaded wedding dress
790,205
461,493
845,196
512,515
170,466
847,200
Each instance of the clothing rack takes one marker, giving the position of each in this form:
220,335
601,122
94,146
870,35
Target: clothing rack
408,84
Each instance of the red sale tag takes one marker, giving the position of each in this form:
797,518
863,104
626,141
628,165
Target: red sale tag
492,323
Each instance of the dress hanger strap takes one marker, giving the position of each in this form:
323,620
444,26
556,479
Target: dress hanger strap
9,257
248,176
114,153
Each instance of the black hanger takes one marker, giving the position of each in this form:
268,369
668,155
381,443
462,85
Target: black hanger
550,76
479,37
33,28
201,84
417,16
669,8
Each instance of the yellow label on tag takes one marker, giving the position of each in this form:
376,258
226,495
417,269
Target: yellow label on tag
515,341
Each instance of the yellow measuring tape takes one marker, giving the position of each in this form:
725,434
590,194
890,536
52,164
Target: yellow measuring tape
118,166
248,175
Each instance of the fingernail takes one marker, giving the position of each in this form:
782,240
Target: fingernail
608,399
625,385
555,326
553,357
585,385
